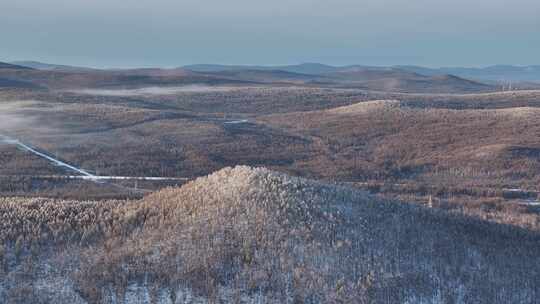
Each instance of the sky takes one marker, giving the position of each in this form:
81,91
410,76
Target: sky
171,33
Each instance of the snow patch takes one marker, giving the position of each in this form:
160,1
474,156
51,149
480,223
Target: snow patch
154,90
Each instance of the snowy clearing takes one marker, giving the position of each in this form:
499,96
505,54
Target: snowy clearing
154,90
85,175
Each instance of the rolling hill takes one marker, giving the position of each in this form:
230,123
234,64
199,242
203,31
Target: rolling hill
398,80
305,68
270,76
16,84
10,81
499,73
422,84
359,77
367,78
50,67
402,141
519,76
8,66
137,78
367,74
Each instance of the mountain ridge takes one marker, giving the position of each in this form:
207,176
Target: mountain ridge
4,65
498,73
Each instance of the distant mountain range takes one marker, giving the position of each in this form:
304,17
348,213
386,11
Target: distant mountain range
499,73
50,67
9,66
404,79
390,79
304,68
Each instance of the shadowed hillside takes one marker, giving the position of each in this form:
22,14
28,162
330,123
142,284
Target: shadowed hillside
50,67
16,84
250,235
8,66
8,82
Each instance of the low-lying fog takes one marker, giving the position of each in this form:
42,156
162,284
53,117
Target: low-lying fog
11,120
154,90
20,118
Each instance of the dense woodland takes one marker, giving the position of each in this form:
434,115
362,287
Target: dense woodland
254,235
462,152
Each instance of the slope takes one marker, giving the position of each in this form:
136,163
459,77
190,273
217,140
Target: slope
9,66
137,78
397,141
18,84
304,68
51,67
499,73
270,76
398,80
252,235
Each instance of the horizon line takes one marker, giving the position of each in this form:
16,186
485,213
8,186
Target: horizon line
143,66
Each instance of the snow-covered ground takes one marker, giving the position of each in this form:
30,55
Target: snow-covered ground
84,174
531,202
53,160
235,122
105,178
154,90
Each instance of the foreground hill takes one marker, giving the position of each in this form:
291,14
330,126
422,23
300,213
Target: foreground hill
248,235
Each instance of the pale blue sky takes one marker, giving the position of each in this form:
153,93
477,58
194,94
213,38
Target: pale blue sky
169,33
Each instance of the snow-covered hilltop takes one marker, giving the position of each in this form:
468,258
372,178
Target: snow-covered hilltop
251,235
